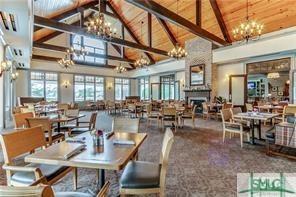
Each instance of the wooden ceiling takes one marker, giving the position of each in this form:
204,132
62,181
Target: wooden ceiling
274,14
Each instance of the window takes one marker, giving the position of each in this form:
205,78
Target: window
44,84
144,88
167,87
122,88
91,46
88,88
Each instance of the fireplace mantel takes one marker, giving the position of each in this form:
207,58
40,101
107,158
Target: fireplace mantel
198,90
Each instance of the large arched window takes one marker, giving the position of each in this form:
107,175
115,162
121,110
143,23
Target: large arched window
92,46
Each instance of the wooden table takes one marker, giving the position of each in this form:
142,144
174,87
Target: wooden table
107,157
269,108
252,116
56,119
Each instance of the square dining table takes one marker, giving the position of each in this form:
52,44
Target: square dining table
109,156
252,116
54,118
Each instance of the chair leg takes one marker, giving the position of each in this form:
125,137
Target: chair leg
223,136
193,122
241,139
75,178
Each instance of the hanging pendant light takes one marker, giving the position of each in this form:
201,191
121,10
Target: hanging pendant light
248,30
178,52
142,62
99,26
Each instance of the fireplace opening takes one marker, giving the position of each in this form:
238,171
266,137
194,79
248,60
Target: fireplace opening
198,102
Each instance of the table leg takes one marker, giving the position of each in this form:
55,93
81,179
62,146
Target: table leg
253,131
259,130
101,180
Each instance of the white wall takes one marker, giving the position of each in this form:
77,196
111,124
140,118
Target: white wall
1,89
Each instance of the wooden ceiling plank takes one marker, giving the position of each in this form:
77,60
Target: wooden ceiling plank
165,14
220,20
70,13
168,31
48,23
149,30
131,33
64,49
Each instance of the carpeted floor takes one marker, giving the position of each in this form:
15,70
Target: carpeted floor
200,164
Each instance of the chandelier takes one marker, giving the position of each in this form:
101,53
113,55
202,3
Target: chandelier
274,75
66,62
142,62
178,52
248,30
14,76
120,69
5,66
98,25
76,52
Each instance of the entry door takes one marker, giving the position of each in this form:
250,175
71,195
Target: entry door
238,89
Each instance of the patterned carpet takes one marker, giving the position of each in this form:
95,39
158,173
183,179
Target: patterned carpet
200,164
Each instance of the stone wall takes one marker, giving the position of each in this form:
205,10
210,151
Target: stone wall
200,52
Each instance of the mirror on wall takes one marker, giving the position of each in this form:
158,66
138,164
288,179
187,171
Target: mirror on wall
197,75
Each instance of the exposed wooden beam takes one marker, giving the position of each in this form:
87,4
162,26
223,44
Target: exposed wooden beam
167,15
131,33
48,23
64,49
149,30
167,31
70,13
122,51
55,59
198,12
220,20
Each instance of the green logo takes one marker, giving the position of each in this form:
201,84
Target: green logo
266,183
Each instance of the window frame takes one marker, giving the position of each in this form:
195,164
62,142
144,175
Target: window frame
146,82
44,82
95,48
84,84
171,82
129,87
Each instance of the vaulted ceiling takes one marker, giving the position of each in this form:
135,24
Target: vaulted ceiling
274,14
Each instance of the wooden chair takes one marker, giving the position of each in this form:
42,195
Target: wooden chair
63,106
20,120
232,127
249,107
28,110
150,114
289,110
141,177
206,112
110,105
40,189
16,144
169,114
189,115
129,125
48,130
88,125
227,106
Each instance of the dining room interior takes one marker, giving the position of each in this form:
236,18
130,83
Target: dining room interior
147,98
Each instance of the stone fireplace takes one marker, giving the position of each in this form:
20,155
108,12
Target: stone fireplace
200,52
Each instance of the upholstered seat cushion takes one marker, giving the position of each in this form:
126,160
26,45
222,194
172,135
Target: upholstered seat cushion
72,194
140,174
49,171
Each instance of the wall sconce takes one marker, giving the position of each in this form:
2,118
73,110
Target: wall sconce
109,85
66,83
14,76
6,64
182,81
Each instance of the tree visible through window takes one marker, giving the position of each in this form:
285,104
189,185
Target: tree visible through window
88,88
44,84
122,88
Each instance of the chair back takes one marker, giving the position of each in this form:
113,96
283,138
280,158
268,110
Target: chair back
20,120
249,107
131,107
235,110
149,108
72,112
20,142
93,119
290,110
169,111
129,125
164,155
29,105
227,105
205,107
27,110
63,106
194,109
226,115
44,122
